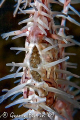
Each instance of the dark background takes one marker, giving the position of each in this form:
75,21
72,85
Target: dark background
10,23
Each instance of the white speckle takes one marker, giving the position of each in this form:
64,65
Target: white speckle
27,33
26,44
29,23
56,118
29,28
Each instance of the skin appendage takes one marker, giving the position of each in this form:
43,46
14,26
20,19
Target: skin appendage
44,84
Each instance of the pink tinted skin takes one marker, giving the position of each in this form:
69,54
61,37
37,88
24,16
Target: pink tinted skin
36,35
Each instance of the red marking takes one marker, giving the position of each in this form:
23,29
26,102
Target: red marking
59,85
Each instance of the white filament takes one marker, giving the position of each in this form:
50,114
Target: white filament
56,62
42,23
18,48
26,20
